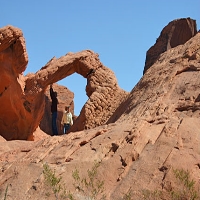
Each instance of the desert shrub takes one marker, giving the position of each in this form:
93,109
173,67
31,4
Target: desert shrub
54,183
4,194
152,195
90,187
187,190
128,195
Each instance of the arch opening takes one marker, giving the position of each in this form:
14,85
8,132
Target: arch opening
76,84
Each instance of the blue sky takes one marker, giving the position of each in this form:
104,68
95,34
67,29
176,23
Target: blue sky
120,31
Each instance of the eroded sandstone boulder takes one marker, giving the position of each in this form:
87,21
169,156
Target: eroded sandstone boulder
102,87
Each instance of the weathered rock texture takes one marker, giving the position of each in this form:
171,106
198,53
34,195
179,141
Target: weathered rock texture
175,33
105,96
23,100
13,61
156,130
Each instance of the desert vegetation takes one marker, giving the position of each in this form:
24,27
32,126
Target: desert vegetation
88,188
91,188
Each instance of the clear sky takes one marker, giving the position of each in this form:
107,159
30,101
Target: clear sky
120,31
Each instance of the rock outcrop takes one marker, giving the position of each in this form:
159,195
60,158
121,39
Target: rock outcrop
164,110
155,131
22,97
13,61
105,96
175,33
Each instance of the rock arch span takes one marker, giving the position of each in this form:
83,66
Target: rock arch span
22,97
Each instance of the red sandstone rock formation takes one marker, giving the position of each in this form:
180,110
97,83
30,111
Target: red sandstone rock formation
24,96
13,61
156,130
175,33
104,98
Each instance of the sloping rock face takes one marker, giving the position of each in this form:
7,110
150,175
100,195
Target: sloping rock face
164,110
175,33
23,100
157,132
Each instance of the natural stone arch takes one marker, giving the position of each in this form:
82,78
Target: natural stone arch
24,96
102,88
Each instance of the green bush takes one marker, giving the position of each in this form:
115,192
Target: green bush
188,190
91,187
54,182
128,195
88,187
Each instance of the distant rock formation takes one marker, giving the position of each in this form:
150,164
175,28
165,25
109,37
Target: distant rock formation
175,33
23,100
